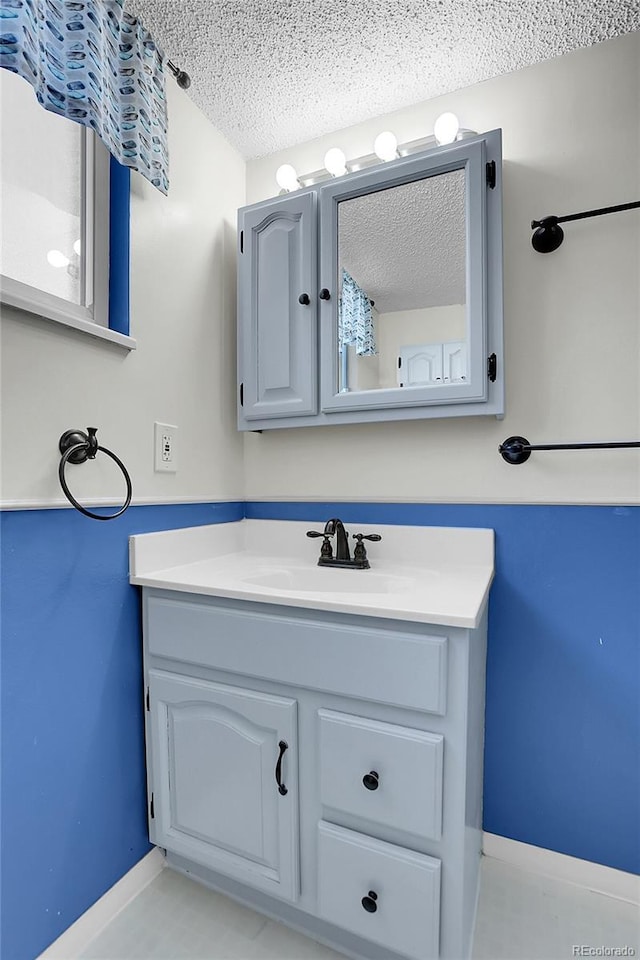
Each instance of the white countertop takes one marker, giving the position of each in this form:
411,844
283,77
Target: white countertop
436,575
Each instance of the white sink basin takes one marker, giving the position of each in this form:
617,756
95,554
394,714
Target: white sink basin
327,580
427,574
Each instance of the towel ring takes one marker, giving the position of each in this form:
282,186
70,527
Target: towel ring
77,447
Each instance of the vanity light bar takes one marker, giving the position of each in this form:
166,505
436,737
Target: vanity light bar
369,160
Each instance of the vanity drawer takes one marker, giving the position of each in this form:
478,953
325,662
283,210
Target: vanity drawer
379,891
389,664
387,774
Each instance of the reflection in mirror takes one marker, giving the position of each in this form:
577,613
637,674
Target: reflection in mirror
402,319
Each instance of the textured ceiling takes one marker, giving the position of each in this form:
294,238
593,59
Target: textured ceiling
406,246
273,73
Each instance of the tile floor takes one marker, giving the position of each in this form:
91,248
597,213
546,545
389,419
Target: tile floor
522,916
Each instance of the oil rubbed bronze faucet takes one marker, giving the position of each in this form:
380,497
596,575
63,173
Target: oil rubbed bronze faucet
335,528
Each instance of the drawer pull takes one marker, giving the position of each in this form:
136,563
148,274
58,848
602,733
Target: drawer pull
371,780
369,902
282,790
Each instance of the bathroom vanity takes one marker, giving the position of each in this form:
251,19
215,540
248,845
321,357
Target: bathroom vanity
376,295
315,736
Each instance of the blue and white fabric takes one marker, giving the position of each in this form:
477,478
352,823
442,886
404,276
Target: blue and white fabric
92,62
355,318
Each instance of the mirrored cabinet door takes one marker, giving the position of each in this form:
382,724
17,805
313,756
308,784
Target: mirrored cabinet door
406,255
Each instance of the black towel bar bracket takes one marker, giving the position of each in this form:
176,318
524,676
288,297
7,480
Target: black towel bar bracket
76,446
518,449
548,235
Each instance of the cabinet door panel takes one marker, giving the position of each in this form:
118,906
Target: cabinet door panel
225,756
419,365
278,351
214,753
454,362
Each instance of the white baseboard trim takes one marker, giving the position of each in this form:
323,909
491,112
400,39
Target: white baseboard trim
79,935
583,873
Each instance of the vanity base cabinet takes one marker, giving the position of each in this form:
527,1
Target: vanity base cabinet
375,848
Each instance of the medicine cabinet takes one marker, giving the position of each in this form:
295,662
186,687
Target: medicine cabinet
376,295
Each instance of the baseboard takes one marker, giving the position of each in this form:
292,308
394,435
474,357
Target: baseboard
583,873
79,935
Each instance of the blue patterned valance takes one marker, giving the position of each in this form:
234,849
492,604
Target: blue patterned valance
91,61
355,318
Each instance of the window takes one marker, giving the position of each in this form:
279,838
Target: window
65,219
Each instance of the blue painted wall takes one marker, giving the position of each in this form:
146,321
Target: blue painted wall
563,691
562,737
73,781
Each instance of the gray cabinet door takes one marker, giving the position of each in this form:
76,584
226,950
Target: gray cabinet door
215,753
277,347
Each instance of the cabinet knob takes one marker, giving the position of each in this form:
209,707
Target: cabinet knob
369,902
371,780
304,299
324,294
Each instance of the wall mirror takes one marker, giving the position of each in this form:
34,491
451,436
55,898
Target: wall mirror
402,308
405,250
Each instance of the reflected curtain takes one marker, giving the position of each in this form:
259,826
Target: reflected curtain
355,318
93,63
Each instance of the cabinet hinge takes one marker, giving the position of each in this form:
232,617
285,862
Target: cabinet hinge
491,174
147,700
492,367
151,809
242,241
242,394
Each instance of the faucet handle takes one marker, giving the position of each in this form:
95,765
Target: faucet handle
366,536
325,550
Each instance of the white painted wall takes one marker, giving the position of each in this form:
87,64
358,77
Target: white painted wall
571,143
183,371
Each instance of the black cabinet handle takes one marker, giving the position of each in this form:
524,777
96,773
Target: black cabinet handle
282,790
304,299
371,780
369,902
324,294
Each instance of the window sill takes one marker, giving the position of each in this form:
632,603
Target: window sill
47,309
95,330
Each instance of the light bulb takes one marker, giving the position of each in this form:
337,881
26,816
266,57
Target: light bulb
77,246
335,162
385,146
57,259
287,178
446,127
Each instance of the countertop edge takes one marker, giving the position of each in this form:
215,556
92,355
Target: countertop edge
281,599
